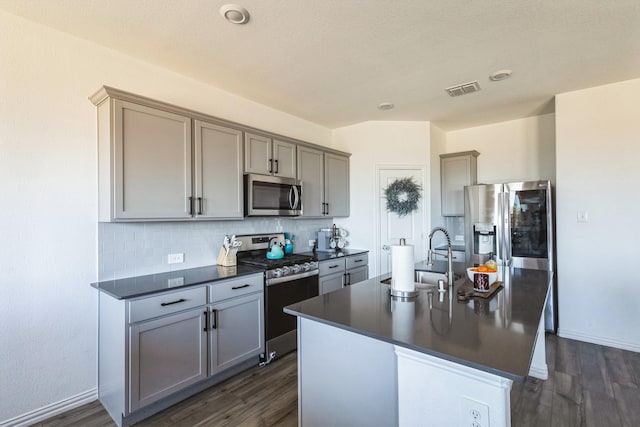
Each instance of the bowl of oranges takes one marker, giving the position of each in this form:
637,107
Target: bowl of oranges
491,269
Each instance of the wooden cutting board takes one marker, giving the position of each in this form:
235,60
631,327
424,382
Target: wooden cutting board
469,292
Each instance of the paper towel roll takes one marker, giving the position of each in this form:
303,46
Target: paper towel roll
402,271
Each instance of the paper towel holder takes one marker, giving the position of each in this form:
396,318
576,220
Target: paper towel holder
401,294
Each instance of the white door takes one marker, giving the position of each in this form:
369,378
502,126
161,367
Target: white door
393,227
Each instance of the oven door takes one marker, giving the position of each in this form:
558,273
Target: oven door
271,195
280,295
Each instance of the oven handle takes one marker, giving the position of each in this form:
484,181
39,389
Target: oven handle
291,278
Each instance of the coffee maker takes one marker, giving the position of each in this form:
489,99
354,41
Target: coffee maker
330,239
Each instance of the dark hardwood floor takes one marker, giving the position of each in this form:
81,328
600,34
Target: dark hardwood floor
588,385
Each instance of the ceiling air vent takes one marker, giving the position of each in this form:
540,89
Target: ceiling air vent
463,89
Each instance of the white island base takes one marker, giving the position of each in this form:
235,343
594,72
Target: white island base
349,379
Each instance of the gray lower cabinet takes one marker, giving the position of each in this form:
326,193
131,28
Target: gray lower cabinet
357,268
156,350
356,275
166,355
236,325
331,283
337,273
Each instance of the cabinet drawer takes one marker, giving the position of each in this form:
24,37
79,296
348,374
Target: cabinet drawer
166,303
332,266
357,261
232,288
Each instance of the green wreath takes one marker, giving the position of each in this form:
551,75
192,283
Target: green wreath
403,196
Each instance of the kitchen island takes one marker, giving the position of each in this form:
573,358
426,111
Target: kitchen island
365,358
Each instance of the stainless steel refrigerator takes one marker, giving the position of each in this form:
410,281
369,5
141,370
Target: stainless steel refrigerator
513,224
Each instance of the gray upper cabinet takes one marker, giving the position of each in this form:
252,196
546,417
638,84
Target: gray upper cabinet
325,183
150,172
267,156
311,173
456,171
217,171
159,162
336,188
156,164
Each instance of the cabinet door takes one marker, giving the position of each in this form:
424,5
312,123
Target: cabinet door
336,178
237,331
257,154
456,171
356,275
166,355
331,283
311,173
152,163
284,158
218,171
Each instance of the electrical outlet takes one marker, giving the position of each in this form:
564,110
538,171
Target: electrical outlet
175,258
312,243
583,216
473,413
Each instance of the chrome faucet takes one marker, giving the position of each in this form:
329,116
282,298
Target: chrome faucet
449,255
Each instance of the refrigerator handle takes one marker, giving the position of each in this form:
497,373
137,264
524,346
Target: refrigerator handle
506,227
500,232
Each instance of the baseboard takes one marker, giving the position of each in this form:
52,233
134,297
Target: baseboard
540,372
573,335
51,410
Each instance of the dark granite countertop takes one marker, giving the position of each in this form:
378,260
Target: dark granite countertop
145,285
323,256
496,335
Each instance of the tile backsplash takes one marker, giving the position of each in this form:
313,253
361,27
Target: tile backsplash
135,249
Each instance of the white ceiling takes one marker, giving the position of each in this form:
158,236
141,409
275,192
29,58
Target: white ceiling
333,61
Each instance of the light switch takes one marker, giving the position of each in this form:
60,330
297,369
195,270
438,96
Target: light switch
583,216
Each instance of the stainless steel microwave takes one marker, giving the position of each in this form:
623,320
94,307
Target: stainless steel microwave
266,195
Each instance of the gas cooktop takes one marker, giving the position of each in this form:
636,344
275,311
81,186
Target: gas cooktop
261,260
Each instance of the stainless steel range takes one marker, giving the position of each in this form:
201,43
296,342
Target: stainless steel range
288,280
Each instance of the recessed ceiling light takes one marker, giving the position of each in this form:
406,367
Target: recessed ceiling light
385,106
500,75
234,13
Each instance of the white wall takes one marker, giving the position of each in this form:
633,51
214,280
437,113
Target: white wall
48,250
371,144
598,147
515,150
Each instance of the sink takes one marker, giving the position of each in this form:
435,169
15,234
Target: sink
424,279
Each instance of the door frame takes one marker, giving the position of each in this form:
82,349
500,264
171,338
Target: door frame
425,202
